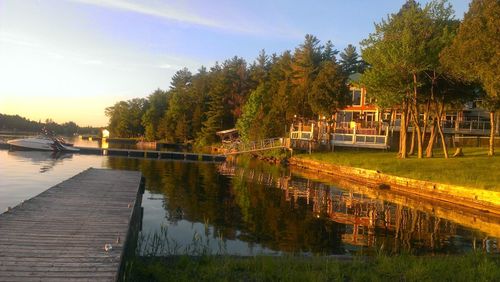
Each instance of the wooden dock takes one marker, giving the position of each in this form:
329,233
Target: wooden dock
61,234
151,154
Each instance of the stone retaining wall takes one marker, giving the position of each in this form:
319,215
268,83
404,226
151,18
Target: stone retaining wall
488,201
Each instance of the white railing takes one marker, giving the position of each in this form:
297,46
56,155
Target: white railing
467,126
360,140
301,135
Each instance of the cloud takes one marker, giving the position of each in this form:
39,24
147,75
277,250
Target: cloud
161,12
18,40
91,62
45,50
172,13
169,66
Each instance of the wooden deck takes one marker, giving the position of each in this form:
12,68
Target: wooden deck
60,234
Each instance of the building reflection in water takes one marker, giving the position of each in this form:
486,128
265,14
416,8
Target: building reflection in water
260,208
382,221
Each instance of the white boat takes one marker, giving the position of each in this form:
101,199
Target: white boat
42,143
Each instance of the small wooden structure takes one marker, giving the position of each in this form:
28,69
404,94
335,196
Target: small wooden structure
229,135
78,230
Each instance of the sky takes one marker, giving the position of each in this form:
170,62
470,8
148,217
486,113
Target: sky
68,60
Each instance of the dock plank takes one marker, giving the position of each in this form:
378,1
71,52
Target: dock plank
61,233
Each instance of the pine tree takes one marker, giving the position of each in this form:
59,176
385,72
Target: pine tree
151,119
178,115
329,91
306,60
350,61
215,112
329,53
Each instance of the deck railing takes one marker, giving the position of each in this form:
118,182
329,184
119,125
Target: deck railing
360,140
301,135
468,126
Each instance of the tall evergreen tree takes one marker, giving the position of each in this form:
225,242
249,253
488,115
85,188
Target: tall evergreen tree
329,91
350,60
151,119
199,95
329,52
178,116
306,60
278,113
215,113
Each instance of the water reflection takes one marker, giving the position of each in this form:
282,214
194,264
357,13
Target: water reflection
46,160
257,207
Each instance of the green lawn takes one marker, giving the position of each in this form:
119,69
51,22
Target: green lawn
472,267
475,169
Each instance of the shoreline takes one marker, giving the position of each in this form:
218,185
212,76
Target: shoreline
479,199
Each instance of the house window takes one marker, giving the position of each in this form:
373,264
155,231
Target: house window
370,116
356,98
368,100
356,116
387,117
347,116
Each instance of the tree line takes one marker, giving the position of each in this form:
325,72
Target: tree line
419,61
16,123
260,98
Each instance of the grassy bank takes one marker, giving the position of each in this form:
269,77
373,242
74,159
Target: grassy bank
471,267
475,169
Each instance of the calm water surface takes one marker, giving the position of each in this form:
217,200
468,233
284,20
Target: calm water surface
253,208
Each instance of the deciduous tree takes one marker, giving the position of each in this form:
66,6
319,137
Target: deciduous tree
475,54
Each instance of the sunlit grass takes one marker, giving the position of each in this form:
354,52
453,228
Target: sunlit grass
474,169
472,267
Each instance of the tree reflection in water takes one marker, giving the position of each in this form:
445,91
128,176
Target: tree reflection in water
263,205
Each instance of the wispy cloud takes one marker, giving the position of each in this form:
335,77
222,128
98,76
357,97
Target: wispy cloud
158,11
44,49
169,12
90,62
18,40
169,67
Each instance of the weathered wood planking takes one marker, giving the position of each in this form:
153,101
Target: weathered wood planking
60,234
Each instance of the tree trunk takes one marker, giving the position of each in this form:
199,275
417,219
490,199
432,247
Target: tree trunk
402,132
491,152
411,152
429,152
440,130
420,153
426,120
458,152
415,118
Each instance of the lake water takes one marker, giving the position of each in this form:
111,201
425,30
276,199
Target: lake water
249,207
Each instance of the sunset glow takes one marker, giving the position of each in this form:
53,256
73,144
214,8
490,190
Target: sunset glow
68,60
